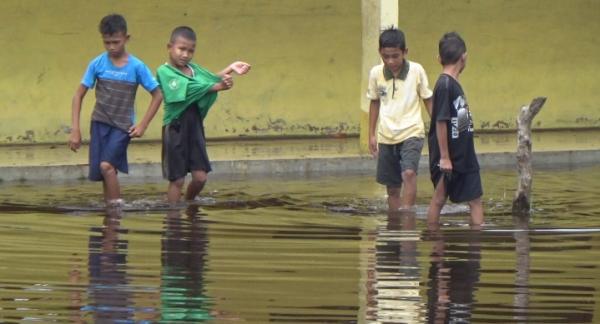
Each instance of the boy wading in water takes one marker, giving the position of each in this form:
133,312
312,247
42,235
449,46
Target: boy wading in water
189,92
116,75
396,88
452,161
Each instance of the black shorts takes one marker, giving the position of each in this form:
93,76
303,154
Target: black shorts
460,187
184,146
393,159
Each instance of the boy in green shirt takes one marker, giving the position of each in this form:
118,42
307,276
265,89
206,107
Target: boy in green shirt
189,92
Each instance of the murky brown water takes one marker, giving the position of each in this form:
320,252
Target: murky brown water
299,250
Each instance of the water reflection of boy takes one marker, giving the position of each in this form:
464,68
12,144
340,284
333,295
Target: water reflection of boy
396,277
108,284
453,274
184,248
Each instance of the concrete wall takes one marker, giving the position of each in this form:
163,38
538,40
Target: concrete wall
305,56
518,49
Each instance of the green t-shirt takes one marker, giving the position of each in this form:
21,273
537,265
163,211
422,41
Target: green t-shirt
181,90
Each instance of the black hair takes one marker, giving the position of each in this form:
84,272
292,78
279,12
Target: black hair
112,24
451,48
392,37
183,31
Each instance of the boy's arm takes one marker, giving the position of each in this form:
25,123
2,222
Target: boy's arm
139,129
225,84
237,67
441,129
428,104
373,116
75,136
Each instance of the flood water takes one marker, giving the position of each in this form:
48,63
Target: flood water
310,249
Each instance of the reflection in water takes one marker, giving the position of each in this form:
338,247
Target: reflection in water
300,251
109,293
394,283
523,252
184,249
453,274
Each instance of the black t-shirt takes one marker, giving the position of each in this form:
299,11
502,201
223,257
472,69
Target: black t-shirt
450,105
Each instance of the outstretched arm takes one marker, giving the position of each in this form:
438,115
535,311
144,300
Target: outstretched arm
139,129
237,67
75,136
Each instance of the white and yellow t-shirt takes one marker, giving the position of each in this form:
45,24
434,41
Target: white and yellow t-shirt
399,110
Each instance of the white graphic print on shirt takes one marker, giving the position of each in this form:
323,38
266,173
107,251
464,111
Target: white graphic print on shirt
463,120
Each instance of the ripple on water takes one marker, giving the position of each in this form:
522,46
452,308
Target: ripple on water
299,250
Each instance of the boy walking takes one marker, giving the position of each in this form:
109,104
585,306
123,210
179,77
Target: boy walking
395,89
189,92
452,160
116,75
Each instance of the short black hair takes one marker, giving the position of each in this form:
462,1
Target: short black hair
451,48
112,24
183,31
392,37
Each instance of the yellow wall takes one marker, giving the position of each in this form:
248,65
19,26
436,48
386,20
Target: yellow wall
517,50
305,56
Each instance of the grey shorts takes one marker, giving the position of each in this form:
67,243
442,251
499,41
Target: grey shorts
395,158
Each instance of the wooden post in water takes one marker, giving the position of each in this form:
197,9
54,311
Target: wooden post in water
522,203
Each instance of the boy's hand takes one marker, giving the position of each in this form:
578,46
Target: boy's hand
240,67
227,82
137,131
75,140
373,146
445,165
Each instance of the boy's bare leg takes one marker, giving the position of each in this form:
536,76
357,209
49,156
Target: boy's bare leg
409,190
476,206
174,190
394,202
110,184
437,203
199,178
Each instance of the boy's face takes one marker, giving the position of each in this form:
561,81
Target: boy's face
181,51
115,43
393,57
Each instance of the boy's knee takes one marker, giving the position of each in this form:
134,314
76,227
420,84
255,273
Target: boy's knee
409,174
475,202
199,177
106,168
393,191
438,201
178,183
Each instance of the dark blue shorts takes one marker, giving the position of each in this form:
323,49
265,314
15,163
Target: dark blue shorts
107,144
